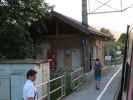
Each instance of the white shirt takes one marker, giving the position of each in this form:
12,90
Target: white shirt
29,90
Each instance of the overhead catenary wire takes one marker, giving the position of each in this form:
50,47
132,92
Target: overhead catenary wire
105,12
102,5
130,6
121,4
112,10
89,5
107,5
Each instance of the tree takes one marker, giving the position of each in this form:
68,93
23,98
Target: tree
16,16
23,12
121,42
109,46
122,38
108,32
15,42
104,30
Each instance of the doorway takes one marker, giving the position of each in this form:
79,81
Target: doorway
17,83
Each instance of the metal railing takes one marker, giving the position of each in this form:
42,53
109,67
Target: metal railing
76,78
46,91
57,85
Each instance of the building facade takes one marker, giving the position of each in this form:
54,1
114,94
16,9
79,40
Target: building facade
68,43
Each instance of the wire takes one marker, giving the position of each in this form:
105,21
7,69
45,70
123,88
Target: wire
114,11
102,5
105,12
107,5
121,3
89,6
130,6
111,11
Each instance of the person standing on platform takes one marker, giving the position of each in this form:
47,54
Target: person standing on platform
98,70
29,90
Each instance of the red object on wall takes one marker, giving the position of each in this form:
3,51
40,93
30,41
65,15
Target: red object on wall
51,56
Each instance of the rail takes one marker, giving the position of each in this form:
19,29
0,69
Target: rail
46,90
76,77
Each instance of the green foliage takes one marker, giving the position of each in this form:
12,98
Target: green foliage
15,19
104,30
68,88
122,38
107,31
54,85
110,48
23,12
15,42
121,42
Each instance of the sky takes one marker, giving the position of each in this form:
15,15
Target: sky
116,22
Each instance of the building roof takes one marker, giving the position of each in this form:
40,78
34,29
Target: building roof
88,30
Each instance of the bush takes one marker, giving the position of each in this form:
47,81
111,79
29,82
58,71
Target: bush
15,42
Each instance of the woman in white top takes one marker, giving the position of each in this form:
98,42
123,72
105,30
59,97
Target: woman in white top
29,90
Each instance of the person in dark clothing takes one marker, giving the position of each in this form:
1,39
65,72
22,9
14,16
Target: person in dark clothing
97,69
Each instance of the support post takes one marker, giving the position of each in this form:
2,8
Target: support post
84,13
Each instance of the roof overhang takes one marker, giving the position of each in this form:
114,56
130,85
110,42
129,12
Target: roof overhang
86,30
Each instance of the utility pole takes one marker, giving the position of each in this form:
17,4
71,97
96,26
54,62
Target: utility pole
84,13
84,41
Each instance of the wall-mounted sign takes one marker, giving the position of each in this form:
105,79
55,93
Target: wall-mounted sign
108,58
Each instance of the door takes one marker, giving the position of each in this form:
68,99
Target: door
76,58
60,58
17,83
4,88
68,59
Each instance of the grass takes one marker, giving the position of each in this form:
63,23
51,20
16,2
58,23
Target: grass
68,88
77,82
57,83
55,95
54,85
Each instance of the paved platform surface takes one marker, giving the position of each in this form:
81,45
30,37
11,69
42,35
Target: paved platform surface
88,91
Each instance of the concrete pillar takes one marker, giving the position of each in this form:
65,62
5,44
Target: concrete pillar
84,13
